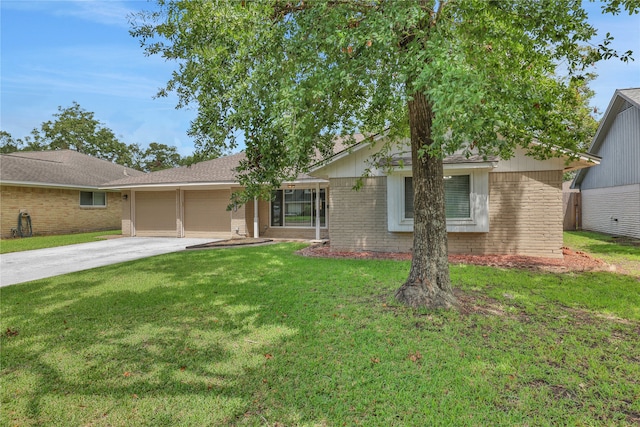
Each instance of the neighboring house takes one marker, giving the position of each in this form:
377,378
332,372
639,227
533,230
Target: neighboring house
493,206
611,191
60,191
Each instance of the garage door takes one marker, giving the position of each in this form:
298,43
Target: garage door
156,214
206,215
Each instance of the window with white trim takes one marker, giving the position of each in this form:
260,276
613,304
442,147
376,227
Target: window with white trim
297,208
96,199
466,200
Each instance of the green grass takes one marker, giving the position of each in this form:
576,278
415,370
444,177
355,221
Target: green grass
258,336
41,242
623,252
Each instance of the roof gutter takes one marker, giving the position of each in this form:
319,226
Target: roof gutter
51,185
223,184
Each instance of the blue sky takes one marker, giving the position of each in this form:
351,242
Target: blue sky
57,52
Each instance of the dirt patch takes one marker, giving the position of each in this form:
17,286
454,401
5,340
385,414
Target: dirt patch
571,261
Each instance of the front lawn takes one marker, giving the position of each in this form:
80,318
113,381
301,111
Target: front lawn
42,242
258,336
623,252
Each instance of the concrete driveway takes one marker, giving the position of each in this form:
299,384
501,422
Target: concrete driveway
19,267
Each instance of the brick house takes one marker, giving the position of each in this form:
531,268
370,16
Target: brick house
192,201
60,191
494,206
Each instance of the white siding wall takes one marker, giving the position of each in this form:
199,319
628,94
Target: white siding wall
521,162
620,152
354,165
602,206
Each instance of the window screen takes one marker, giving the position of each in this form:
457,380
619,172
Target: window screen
456,196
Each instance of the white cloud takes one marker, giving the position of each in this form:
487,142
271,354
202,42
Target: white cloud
107,12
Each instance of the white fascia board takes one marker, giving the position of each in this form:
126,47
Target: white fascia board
172,185
51,185
456,166
569,153
306,181
478,165
208,185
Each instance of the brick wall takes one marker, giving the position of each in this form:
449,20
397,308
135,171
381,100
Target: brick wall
56,211
359,218
525,217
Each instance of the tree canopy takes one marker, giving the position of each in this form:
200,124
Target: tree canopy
75,128
471,76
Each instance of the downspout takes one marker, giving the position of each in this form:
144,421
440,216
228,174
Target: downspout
256,227
317,211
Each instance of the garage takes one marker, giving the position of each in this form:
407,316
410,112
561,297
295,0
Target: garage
206,215
155,214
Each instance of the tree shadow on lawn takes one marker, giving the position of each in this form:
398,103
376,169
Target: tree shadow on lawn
179,340
129,341
174,337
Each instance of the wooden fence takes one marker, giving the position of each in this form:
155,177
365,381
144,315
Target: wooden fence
572,208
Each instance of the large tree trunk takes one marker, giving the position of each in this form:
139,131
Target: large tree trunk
428,284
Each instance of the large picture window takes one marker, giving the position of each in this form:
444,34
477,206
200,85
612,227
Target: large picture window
457,190
297,208
93,199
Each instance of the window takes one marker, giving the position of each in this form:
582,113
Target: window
296,208
466,194
457,192
93,198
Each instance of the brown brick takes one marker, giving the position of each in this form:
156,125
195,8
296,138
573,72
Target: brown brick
56,211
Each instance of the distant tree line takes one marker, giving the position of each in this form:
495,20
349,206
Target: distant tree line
76,129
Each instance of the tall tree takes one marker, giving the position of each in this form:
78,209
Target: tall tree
8,144
468,76
77,129
159,156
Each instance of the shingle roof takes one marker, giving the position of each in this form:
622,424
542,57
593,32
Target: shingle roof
632,95
216,170
219,171
66,168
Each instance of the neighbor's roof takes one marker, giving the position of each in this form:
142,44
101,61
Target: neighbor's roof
59,168
621,100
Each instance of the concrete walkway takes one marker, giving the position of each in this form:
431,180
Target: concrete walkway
19,267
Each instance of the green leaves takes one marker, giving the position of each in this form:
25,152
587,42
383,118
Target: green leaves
75,128
288,76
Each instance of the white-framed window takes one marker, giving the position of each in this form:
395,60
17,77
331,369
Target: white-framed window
297,208
95,199
457,197
466,200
